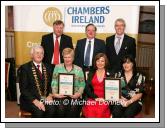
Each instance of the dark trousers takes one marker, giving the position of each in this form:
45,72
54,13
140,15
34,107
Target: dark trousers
67,108
118,111
36,113
48,113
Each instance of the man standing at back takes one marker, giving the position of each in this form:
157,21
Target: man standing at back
87,48
54,43
119,45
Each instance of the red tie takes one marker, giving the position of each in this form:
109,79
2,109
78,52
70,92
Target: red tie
39,71
56,52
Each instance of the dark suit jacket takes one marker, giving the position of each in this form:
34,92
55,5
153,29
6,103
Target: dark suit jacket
48,45
128,48
99,47
27,85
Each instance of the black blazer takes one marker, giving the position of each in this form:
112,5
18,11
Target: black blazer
48,45
27,85
89,91
128,48
99,47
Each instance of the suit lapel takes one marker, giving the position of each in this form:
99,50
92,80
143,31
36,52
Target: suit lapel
51,43
123,44
112,45
61,42
83,46
95,47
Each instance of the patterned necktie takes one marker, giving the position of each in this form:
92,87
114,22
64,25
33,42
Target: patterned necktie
56,52
40,74
87,55
117,45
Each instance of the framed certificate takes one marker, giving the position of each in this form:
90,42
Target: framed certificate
66,84
112,89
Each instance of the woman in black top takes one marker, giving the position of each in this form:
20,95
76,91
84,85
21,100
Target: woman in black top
132,86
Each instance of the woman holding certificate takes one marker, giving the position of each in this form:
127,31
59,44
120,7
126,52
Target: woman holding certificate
96,107
67,86
132,87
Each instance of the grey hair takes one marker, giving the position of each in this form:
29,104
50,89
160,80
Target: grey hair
120,20
34,47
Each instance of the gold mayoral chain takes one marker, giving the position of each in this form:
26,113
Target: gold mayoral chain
37,80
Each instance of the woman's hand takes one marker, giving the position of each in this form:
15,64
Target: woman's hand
99,99
49,98
126,103
122,98
58,96
76,95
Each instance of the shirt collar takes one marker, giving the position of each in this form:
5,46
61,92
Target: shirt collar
37,64
67,70
119,36
92,40
54,35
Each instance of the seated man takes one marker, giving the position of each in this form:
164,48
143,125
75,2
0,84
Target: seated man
35,80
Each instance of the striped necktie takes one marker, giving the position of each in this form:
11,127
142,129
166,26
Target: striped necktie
87,55
117,45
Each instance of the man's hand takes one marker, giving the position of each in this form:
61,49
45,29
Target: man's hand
39,104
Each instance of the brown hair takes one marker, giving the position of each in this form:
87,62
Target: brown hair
90,25
58,22
97,57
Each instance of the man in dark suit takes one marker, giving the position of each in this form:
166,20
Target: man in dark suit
87,48
35,85
54,43
119,45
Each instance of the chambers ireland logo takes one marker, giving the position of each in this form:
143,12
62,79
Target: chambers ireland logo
50,15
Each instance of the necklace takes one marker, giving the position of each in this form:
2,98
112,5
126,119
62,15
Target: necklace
37,80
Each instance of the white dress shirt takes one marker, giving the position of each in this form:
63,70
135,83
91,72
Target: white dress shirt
40,66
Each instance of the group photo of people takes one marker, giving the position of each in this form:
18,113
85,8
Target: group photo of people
39,78
91,78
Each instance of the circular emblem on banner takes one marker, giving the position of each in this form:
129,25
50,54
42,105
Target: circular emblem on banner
50,15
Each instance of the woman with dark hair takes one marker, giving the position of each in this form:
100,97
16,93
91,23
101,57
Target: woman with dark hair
132,84
95,106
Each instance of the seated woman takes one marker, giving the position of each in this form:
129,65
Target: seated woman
96,107
132,84
65,106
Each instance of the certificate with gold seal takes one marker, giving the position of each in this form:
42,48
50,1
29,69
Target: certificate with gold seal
66,84
112,88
